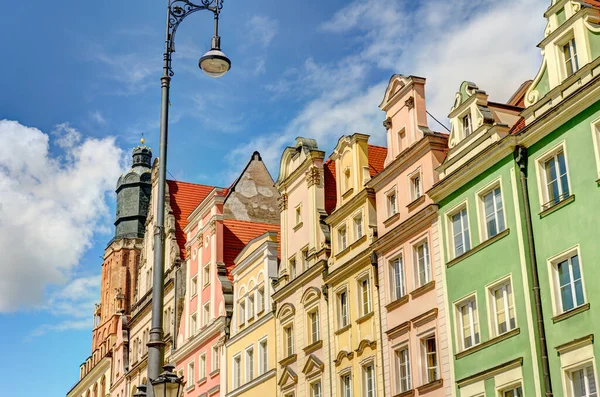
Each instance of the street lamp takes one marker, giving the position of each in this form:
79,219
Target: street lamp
141,391
215,64
168,384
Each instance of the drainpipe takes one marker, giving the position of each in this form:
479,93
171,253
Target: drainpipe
174,316
373,258
520,155
325,292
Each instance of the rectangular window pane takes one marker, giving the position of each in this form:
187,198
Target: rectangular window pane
402,370
431,359
397,279
422,253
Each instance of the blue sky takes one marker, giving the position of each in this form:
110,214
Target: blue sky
80,85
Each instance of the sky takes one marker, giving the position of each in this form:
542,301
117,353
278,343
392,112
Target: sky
81,86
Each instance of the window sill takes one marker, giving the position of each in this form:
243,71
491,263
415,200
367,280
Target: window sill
195,294
488,343
416,202
557,206
423,289
260,311
365,317
347,193
427,387
391,219
205,285
288,360
397,303
214,373
342,252
190,387
570,313
343,329
313,347
409,393
202,381
298,226
479,247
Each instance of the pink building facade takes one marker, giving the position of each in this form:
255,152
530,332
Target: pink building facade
413,319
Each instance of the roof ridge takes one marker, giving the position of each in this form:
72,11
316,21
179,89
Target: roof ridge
195,184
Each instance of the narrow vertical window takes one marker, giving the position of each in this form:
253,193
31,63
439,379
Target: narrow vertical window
343,240
358,227
503,308
346,385
557,182
215,358
469,324
397,278
369,380
262,347
415,184
304,254
206,314
202,369
431,363
314,326
570,283
423,266
249,364
251,305
402,370
289,339
260,303
391,204
365,296
493,212
467,125
316,389
237,372
570,57
293,269
191,372
343,309
583,382
242,313
460,232
298,215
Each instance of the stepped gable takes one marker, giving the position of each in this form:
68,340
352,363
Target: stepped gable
377,156
185,197
329,188
237,234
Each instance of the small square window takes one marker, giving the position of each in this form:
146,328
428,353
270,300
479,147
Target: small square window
459,231
468,323
467,125
342,238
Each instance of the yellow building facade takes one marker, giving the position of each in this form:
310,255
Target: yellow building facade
250,349
350,278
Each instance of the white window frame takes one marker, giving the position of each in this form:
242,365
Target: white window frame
543,193
365,381
251,305
493,310
358,226
312,338
342,233
425,353
467,243
206,313
260,302
194,286
507,389
555,283
236,373
206,275
191,372
474,322
293,266
568,40
568,375
391,202
402,275
298,215
595,126
343,310
313,391
214,358
249,364
304,258
242,312
365,307
193,323
398,381
202,366
415,191
466,130
263,356
346,392
490,188
288,339
417,265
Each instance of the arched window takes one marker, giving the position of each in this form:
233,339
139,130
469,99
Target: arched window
103,386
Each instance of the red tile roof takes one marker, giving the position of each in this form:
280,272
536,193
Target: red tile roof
377,156
593,3
185,197
329,182
518,126
237,234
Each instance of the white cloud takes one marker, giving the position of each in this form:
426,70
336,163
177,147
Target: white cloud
490,43
262,29
51,204
98,118
133,71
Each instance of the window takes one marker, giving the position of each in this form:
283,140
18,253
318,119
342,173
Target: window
249,364
346,181
468,323
149,279
555,179
358,227
346,385
315,389
251,305
190,378
391,203
493,212
397,278
467,125
304,254
194,286
415,187
369,380
292,268
206,274
569,51
569,283
206,313
263,357
202,369
343,309
503,309
402,370
513,391
289,339
242,313
314,326
431,364
215,358
583,382
260,303
298,215
237,371
460,232
422,261
342,238
365,296
193,324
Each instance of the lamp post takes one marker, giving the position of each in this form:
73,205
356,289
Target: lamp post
215,64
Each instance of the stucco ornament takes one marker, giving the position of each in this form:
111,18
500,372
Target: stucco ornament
313,176
283,202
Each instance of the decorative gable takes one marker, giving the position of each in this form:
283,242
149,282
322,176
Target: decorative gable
288,378
469,112
313,366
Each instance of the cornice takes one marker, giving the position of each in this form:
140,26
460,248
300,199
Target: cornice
189,345
298,173
213,198
408,157
256,324
349,266
347,208
293,285
406,228
488,373
563,27
266,248
91,377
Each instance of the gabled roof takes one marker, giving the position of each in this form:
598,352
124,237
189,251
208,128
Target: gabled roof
185,197
377,156
237,234
518,98
329,182
593,3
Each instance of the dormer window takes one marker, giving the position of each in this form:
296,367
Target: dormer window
569,51
347,184
467,125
